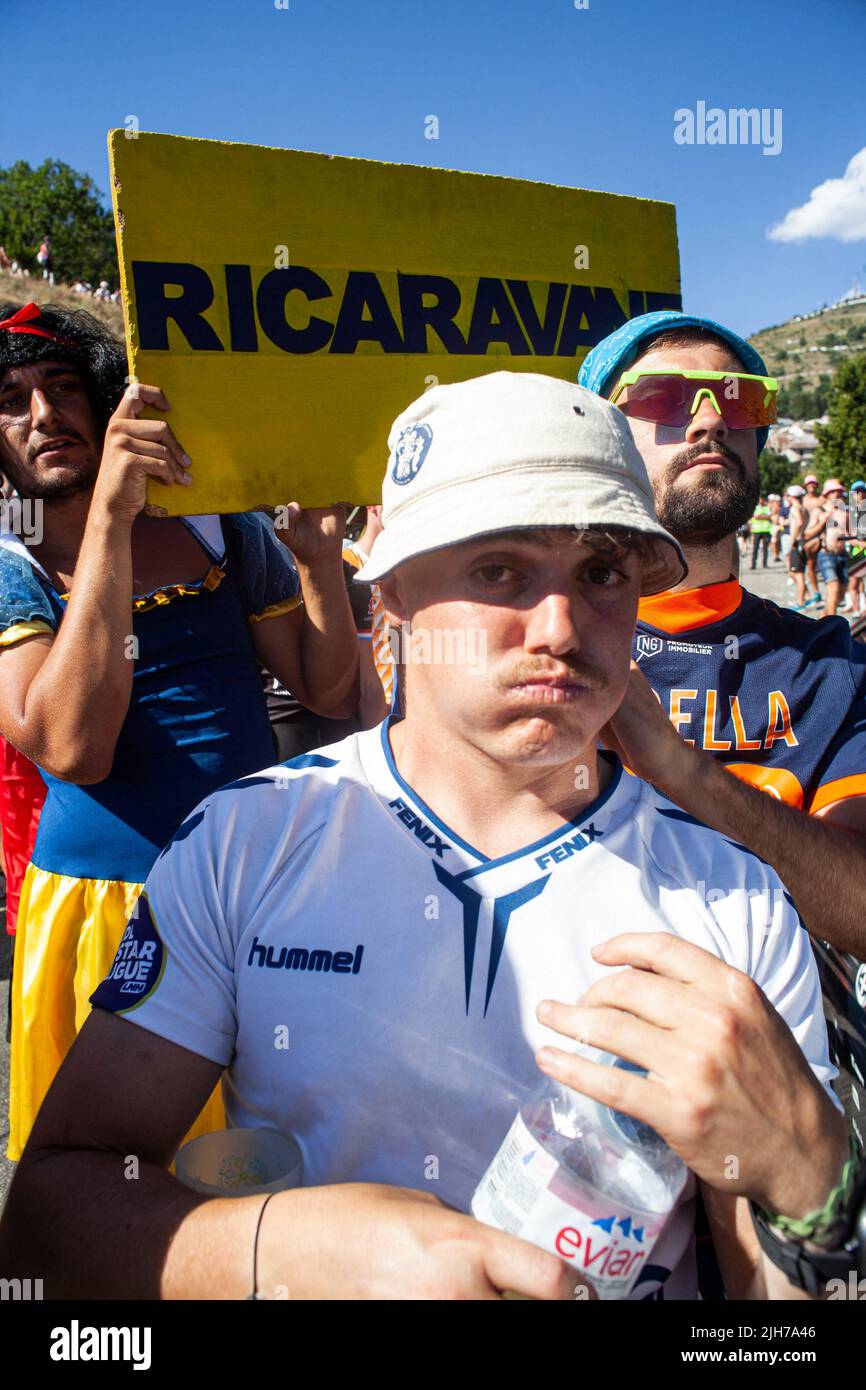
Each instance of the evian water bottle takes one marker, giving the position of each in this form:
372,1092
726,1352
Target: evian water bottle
585,1182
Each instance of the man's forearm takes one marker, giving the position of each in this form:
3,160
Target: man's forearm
77,1221
77,702
824,868
329,642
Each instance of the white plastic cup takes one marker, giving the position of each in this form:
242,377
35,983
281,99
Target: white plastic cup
240,1163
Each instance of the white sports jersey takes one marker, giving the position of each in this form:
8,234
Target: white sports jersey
323,897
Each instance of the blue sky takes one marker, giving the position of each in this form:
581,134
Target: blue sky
536,89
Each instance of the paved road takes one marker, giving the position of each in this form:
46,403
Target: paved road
769,583
773,583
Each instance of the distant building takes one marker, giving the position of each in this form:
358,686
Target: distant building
854,296
796,440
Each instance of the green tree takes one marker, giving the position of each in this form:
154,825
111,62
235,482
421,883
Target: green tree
790,400
776,471
842,442
797,401
57,200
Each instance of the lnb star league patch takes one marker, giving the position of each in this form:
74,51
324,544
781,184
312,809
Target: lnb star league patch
138,966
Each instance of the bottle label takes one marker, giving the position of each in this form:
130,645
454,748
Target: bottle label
526,1193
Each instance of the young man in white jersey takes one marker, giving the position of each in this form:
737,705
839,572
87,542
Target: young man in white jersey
420,907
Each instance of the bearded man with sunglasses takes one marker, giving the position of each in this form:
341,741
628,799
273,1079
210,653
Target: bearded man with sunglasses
723,681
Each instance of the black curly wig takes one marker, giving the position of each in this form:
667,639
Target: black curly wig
83,342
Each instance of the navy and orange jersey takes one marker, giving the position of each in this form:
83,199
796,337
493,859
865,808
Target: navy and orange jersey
196,713
371,620
779,698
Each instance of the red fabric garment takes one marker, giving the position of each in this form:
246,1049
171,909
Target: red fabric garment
22,792
22,322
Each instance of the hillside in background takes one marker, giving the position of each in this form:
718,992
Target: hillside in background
804,353
22,289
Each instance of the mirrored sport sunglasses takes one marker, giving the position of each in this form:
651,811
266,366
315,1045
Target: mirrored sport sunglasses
744,401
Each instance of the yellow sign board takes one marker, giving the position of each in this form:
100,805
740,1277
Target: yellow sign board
290,305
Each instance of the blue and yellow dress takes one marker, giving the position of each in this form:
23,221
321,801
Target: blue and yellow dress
197,718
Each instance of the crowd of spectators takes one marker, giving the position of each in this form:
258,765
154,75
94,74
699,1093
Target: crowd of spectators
17,270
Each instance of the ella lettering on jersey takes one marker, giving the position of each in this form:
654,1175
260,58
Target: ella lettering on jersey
778,726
